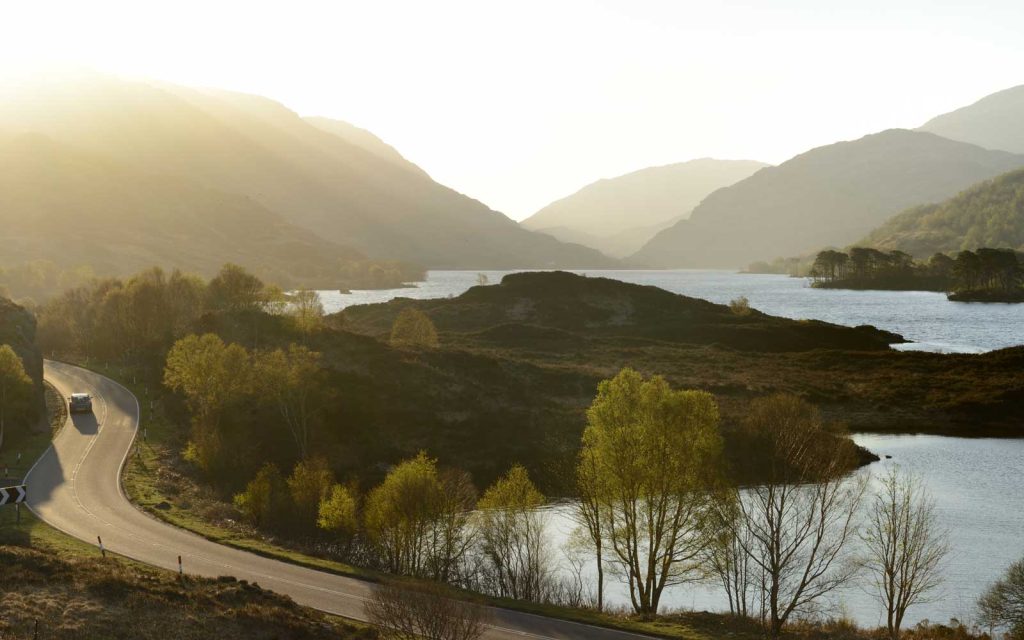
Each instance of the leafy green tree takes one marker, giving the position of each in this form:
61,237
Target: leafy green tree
652,455
307,311
293,381
513,539
235,289
413,329
16,387
309,484
213,377
338,511
416,520
265,501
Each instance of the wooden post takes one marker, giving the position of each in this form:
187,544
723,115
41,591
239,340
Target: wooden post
181,570
102,550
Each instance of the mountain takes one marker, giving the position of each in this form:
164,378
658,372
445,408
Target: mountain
364,140
990,214
72,208
994,122
828,196
618,215
352,193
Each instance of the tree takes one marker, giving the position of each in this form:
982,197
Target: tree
292,380
654,453
1002,604
213,376
337,511
309,485
264,503
16,387
587,511
416,518
423,611
513,538
727,558
234,289
903,546
795,524
413,329
306,310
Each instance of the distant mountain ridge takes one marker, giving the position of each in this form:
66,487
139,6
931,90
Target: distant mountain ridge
989,214
618,215
828,196
73,208
332,180
994,122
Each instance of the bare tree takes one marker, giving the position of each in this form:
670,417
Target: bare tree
904,546
727,558
1002,604
795,526
423,611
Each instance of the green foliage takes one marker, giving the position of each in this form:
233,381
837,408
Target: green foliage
989,214
235,289
338,511
16,388
309,485
265,501
307,311
513,538
292,380
413,329
651,458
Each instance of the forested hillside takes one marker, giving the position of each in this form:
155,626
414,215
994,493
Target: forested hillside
990,214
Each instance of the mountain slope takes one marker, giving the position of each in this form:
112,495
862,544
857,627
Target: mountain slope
829,196
363,139
74,208
990,214
618,215
255,147
994,122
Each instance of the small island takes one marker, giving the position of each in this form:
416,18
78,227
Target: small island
985,275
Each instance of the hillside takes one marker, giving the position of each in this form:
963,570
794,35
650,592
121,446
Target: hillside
75,208
55,596
990,214
363,139
618,215
829,196
994,122
252,147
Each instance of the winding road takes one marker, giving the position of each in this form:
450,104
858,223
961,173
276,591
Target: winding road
76,487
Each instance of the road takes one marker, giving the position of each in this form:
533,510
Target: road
75,486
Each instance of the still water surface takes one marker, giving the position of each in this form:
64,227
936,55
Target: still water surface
978,484
928,319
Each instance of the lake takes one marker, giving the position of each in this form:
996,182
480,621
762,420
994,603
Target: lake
926,318
976,483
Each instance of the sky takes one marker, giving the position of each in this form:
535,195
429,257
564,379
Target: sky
520,103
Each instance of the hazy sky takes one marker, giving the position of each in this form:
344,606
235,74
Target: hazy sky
518,103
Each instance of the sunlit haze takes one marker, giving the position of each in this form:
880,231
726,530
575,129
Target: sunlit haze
520,103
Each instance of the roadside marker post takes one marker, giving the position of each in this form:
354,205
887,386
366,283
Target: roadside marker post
13,495
102,550
181,570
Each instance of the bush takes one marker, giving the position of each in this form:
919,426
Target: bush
413,328
740,306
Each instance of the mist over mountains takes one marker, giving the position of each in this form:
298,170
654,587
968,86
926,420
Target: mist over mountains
994,122
330,188
619,215
828,196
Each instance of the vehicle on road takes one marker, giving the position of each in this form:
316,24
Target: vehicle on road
80,403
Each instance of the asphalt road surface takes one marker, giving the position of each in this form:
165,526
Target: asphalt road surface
75,486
